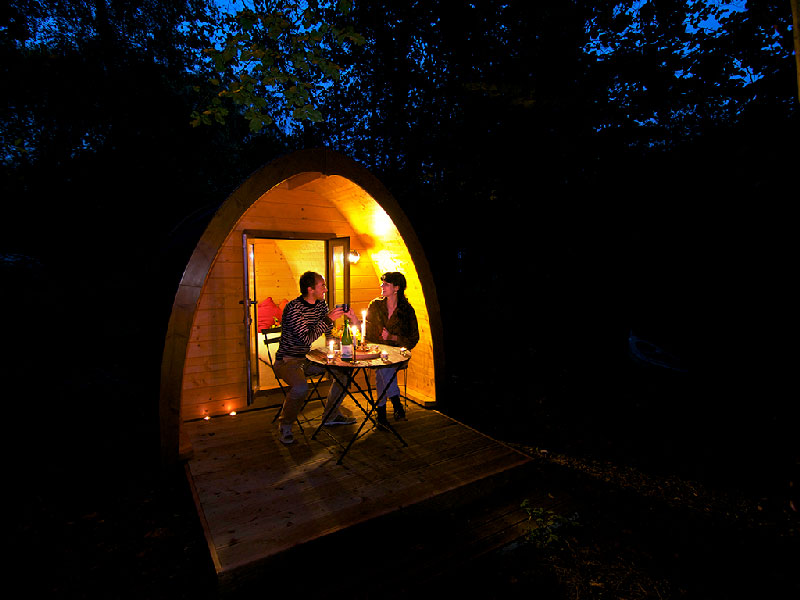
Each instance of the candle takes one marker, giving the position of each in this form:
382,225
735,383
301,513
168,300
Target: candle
363,326
330,347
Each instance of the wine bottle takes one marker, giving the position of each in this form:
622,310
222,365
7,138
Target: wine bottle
348,352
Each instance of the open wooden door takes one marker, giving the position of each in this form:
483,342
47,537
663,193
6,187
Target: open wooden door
338,276
250,304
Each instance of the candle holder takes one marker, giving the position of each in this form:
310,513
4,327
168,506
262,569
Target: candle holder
330,357
384,356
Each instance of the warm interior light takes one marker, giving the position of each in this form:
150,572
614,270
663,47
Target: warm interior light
232,413
354,256
385,261
382,223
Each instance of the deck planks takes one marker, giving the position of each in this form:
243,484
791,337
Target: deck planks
258,498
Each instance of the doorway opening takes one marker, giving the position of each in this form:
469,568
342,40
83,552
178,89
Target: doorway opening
273,266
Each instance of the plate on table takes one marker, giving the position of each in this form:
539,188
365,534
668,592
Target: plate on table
368,354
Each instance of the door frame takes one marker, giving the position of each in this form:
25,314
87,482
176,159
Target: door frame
250,302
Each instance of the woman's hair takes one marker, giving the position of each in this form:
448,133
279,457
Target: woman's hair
398,279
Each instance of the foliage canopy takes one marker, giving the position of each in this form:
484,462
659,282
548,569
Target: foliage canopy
272,58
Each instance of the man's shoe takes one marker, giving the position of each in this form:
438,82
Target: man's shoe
285,434
340,420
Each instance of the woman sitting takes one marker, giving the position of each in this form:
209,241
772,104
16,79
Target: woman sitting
391,320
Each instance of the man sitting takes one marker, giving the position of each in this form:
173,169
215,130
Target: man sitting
305,319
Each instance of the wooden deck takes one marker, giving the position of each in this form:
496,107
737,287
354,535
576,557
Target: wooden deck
262,504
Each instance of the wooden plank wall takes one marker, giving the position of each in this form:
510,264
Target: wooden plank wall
382,249
215,379
276,274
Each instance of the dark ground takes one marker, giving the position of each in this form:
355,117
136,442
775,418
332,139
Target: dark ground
660,512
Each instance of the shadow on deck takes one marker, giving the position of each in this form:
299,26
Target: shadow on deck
276,514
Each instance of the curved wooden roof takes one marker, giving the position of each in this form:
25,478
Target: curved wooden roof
299,167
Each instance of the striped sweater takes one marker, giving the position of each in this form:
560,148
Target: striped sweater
301,324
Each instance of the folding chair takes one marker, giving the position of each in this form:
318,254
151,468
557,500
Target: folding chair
315,380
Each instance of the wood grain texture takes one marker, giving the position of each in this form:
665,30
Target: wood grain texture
259,498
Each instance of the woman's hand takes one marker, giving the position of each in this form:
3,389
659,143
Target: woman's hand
388,336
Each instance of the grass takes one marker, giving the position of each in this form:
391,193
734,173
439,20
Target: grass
671,494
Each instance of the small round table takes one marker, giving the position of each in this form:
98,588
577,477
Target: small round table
345,373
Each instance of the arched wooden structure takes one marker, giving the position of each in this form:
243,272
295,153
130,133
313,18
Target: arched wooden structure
310,194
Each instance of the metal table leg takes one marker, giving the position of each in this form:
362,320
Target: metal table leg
372,406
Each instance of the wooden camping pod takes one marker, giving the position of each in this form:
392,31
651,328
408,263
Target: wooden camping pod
308,195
